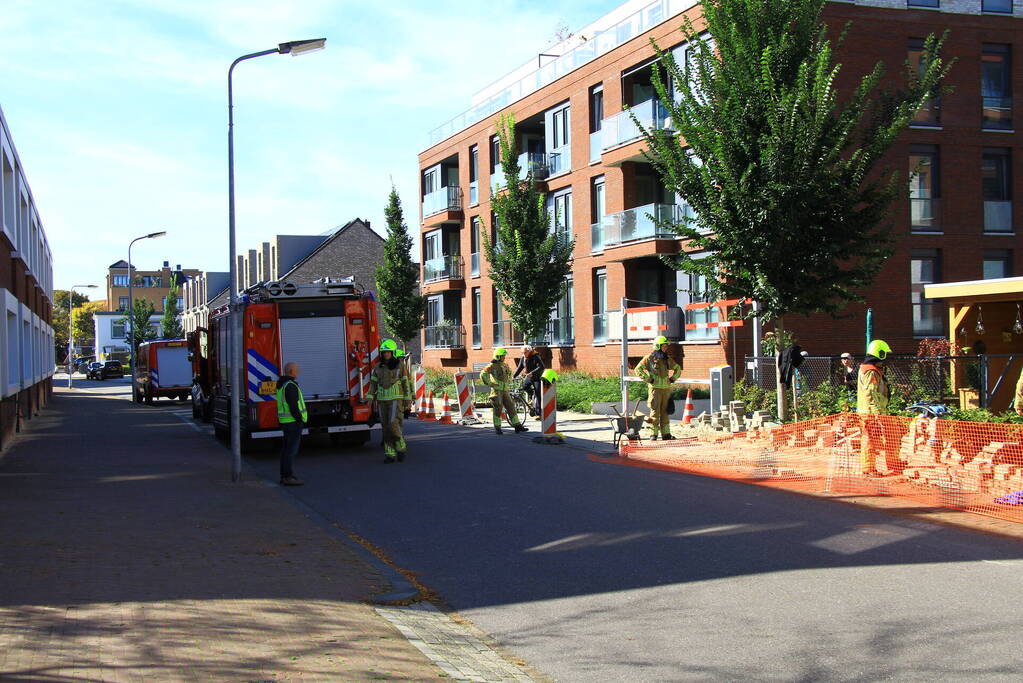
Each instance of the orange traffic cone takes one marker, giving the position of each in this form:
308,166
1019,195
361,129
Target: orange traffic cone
430,414
687,415
445,413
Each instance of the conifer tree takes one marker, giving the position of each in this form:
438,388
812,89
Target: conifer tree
398,277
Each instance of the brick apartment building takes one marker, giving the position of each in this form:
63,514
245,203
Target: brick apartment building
26,296
151,285
958,222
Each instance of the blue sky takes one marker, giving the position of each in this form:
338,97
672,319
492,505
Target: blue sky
119,113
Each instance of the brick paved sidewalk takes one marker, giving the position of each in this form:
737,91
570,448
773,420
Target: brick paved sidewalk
127,555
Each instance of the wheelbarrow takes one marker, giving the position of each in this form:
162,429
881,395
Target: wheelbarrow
626,425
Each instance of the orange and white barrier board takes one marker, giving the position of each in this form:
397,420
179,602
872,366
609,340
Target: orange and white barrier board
549,408
466,416
420,401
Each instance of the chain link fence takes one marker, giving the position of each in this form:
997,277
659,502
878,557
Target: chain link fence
915,378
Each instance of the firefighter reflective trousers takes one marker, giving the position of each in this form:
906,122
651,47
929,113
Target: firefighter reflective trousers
872,440
657,403
503,400
391,413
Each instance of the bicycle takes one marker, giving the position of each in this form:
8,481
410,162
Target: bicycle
521,400
931,409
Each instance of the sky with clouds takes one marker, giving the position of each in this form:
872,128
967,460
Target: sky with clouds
118,110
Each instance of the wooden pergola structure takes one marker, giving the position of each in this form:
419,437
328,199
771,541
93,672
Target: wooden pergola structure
986,317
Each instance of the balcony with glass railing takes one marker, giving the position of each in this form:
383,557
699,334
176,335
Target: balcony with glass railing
506,334
621,129
596,146
443,268
600,326
535,162
633,225
997,216
600,43
444,337
560,332
924,214
997,113
444,199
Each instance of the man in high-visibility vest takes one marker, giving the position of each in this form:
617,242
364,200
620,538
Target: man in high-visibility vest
498,376
293,416
659,371
389,388
872,395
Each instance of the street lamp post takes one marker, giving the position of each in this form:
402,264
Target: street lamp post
236,364
131,310
71,327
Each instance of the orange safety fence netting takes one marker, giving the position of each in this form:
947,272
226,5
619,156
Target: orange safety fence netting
971,466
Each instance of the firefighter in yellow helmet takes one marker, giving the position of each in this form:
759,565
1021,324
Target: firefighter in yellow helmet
498,376
659,371
389,386
872,395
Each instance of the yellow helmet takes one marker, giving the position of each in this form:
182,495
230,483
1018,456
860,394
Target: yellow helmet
659,341
550,375
500,352
388,345
878,349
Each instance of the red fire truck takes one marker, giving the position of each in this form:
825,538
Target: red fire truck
329,327
162,369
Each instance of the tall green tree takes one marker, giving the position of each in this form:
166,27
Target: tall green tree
529,262
398,276
59,316
786,175
170,324
141,330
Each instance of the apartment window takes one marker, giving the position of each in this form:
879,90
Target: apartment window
600,304
996,6
996,187
930,113
495,154
561,208
924,188
928,314
119,280
996,87
598,202
997,263
560,129
596,107
117,330
122,303
559,327
474,237
923,3
474,164
494,237
181,303
698,292
477,335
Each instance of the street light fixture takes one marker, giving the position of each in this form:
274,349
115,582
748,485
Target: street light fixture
131,309
71,327
236,363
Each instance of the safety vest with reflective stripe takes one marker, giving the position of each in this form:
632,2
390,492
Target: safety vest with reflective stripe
658,372
284,415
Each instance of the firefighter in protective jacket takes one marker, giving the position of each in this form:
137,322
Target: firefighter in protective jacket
498,376
872,395
659,371
389,387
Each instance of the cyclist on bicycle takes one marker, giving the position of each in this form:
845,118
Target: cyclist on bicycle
532,365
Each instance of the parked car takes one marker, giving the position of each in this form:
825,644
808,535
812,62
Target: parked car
104,369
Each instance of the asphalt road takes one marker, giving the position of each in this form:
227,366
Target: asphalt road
599,572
